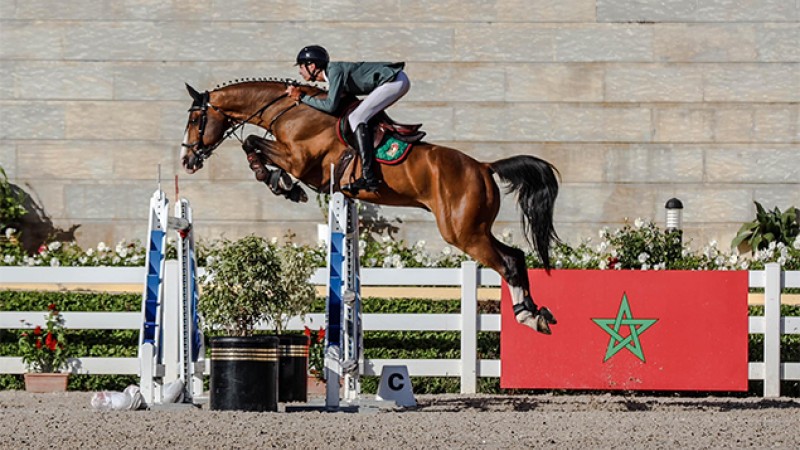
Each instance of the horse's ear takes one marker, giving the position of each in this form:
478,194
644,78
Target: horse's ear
198,97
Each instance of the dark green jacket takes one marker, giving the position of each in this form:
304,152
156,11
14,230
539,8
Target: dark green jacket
358,78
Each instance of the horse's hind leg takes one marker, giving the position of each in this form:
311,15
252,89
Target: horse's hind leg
509,262
525,310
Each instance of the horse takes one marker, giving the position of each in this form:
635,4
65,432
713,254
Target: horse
458,190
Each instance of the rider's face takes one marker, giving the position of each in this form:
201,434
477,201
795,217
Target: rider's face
306,70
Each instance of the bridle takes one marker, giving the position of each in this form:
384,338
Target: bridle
203,152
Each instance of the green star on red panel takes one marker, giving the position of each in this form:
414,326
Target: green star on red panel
613,328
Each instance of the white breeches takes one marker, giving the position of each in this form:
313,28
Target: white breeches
381,98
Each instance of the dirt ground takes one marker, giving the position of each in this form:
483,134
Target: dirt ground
29,421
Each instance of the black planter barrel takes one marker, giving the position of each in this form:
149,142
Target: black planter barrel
244,373
293,370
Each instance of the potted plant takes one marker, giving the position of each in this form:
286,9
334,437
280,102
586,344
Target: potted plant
45,354
248,281
240,288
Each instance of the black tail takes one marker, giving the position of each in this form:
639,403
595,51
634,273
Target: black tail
536,184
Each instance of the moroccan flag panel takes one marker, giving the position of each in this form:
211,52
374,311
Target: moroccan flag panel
631,330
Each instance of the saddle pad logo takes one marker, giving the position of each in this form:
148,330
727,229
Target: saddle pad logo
392,151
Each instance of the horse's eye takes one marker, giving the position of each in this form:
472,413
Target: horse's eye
193,121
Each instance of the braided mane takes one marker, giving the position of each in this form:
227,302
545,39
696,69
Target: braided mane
284,81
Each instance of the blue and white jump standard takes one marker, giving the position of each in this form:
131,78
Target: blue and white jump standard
344,357
171,345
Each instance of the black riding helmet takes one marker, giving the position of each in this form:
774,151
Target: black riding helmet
313,54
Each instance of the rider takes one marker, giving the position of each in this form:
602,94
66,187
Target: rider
382,83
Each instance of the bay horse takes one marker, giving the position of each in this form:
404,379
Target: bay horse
460,191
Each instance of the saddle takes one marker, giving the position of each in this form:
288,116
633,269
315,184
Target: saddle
381,125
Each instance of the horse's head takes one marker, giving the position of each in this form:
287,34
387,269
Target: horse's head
205,131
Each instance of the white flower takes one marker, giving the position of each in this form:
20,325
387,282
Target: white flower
387,262
603,265
645,266
54,262
419,258
782,260
102,247
89,252
274,240
603,232
796,244
420,244
10,232
602,247
386,239
638,223
772,245
447,251
643,257
9,259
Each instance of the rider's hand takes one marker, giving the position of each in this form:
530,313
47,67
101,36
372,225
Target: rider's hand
294,92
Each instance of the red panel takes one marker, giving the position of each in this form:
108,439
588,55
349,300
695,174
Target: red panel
631,330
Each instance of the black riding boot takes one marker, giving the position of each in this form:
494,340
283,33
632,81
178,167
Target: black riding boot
370,180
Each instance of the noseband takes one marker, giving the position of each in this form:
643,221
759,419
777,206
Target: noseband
200,150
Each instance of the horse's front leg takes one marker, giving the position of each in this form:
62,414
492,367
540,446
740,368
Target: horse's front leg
259,152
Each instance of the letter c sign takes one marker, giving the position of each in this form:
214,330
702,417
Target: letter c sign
396,381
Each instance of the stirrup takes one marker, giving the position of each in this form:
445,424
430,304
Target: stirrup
362,183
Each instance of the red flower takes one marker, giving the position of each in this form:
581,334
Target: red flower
38,330
38,343
612,262
43,248
51,306
307,331
52,345
321,335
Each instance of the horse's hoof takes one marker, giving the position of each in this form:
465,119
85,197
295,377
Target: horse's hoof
297,194
547,315
539,322
542,325
536,322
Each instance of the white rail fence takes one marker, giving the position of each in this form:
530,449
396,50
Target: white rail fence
469,368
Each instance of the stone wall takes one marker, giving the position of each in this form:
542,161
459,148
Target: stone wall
635,101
